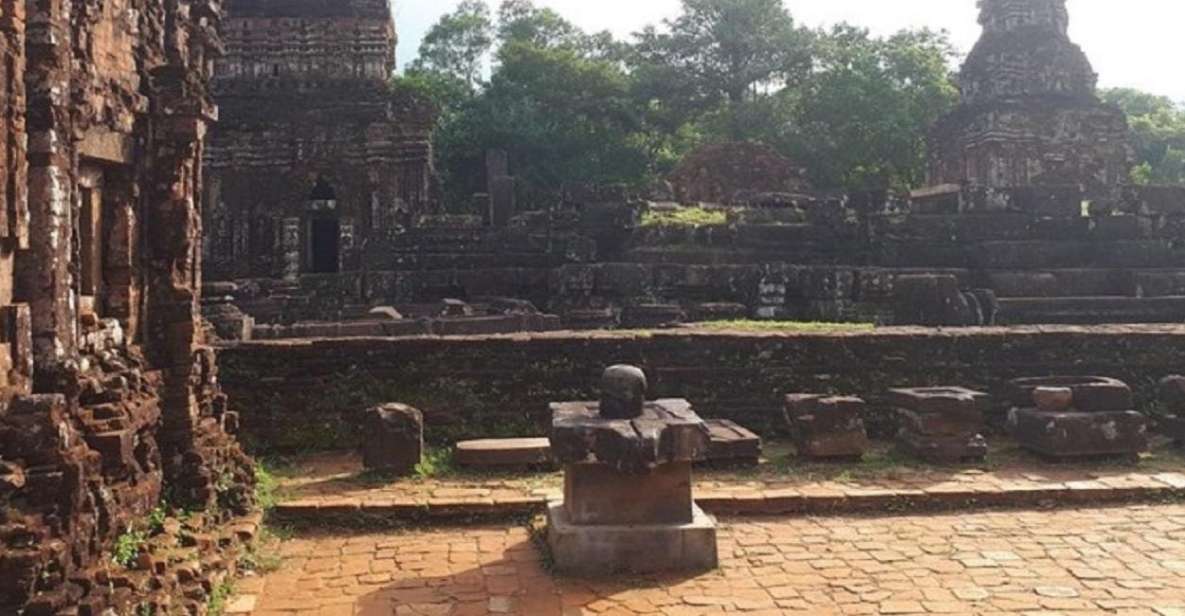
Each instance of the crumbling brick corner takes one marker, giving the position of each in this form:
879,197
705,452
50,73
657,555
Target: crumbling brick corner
109,400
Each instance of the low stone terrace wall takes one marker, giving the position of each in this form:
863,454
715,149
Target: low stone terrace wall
307,394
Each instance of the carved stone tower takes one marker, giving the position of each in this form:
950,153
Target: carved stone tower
1029,113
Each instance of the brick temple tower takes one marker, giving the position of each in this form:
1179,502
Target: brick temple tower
314,152
1029,114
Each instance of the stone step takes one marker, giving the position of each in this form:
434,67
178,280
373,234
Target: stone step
503,453
1088,282
1088,310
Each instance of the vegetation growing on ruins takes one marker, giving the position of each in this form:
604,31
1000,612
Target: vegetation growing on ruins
684,217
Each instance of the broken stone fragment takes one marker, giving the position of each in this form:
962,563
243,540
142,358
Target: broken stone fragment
393,438
623,392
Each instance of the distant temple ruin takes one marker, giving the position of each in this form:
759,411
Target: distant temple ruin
1029,112
315,154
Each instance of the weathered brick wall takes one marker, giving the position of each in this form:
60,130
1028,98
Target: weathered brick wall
110,404
308,394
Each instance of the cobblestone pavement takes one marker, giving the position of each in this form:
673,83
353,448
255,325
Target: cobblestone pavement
1124,560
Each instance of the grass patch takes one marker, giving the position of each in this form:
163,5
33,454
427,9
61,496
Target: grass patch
436,462
753,325
685,217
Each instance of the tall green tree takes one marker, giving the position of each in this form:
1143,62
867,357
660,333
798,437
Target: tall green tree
725,49
562,113
1158,133
862,116
458,43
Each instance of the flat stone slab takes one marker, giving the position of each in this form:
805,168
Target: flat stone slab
668,431
1091,394
610,550
503,453
732,443
944,400
1080,434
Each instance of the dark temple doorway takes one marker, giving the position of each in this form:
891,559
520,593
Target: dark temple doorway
324,256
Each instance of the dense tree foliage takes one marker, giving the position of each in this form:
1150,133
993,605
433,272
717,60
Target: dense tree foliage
572,106
1158,129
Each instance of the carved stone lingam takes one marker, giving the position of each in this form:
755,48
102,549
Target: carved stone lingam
627,483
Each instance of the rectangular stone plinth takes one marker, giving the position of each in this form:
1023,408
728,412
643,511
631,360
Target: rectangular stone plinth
601,494
653,548
827,427
1080,434
941,425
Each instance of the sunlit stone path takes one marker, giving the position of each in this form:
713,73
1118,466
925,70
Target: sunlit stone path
1123,560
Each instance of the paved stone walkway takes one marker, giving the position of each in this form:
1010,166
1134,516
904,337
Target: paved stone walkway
333,484
1128,560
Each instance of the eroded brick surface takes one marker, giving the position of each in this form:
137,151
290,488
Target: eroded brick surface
1123,560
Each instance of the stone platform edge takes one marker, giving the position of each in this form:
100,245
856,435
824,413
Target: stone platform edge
807,501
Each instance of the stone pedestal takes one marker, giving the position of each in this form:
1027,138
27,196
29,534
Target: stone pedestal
627,483
941,424
1064,417
827,428
635,548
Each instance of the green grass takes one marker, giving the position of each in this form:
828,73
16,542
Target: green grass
436,462
685,217
785,326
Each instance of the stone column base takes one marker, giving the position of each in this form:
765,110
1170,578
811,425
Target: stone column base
606,550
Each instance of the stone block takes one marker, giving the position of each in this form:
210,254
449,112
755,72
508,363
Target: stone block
732,444
1090,393
827,427
944,400
1171,394
943,449
640,549
116,448
597,494
393,438
938,424
1080,434
667,431
505,452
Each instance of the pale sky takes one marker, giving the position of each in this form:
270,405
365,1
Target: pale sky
1134,43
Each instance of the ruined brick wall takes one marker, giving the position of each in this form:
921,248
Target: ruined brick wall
1029,112
111,405
315,154
501,385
